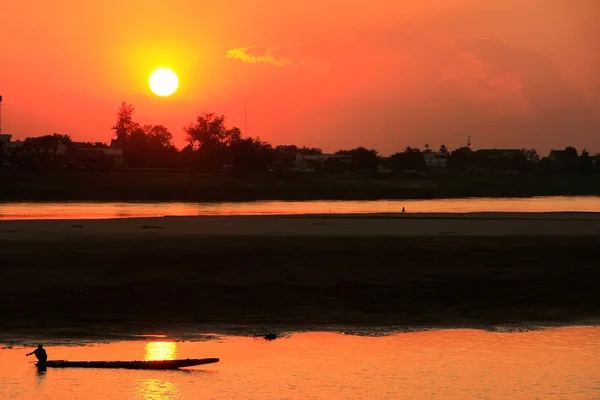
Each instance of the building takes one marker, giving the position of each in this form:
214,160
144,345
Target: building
499,153
558,155
436,160
5,139
10,148
97,153
310,163
45,145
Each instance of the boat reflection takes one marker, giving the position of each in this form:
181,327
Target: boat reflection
156,351
157,389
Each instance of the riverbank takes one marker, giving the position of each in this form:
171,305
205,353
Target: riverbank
203,187
324,226
106,278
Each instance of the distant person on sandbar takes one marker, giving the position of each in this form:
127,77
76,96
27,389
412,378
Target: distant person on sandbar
403,210
40,354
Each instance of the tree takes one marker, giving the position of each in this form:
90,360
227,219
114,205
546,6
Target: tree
310,151
136,149
571,160
362,159
159,137
64,139
396,162
209,137
444,149
286,155
125,124
414,159
427,149
460,159
208,130
232,136
530,155
586,163
2,155
249,154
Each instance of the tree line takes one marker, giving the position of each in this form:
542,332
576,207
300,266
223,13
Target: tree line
211,145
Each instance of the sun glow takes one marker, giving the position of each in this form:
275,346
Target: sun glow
161,351
163,82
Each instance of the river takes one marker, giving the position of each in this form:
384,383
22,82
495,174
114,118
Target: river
99,210
449,364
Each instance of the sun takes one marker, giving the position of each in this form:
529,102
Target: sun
163,82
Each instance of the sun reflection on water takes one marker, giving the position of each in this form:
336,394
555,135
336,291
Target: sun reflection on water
161,351
157,389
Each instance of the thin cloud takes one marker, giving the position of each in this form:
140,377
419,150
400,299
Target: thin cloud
258,55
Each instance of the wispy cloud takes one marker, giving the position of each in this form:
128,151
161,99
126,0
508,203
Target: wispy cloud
259,55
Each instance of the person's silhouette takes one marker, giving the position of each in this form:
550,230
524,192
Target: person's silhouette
40,354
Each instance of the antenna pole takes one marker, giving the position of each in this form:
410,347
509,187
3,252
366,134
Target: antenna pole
0,114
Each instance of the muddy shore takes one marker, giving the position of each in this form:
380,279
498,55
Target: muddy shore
113,278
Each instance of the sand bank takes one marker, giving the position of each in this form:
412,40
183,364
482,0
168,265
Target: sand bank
471,224
117,277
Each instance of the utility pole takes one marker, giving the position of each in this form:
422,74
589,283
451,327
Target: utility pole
245,116
0,114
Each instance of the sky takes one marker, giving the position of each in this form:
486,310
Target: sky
334,74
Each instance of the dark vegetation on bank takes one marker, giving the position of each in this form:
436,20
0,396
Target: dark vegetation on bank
220,164
213,146
122,285
182,186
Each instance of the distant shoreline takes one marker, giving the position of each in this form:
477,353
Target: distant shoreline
203,187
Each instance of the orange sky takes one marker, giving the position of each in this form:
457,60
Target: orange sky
333,74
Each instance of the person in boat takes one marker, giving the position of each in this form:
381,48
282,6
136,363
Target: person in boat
40,354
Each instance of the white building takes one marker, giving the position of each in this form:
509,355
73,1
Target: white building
304,163
436,160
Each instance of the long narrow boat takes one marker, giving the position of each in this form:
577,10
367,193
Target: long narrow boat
156,365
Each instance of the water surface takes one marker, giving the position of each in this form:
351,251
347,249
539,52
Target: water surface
99,210
451,364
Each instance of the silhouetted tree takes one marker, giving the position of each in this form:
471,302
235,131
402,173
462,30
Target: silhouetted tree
396,162
586,163
209,137
125,124
310,151
571,159
148,146
249,154
159,137
444,149
64,139
409,160
136,149
460,159
285,155
208,130
414,160
2,155
362,159
530,155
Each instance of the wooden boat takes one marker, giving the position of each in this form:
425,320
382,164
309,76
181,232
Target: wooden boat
156,365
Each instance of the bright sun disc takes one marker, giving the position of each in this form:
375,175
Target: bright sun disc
163,82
